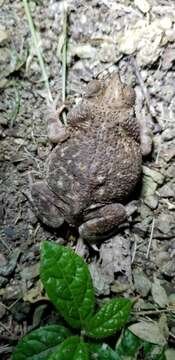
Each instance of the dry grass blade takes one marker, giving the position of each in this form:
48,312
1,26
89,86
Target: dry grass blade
64,62
37,48
150,239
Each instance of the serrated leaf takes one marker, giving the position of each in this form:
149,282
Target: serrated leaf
68,283
148,331
72,348
102,352
128,345
110,318
40,343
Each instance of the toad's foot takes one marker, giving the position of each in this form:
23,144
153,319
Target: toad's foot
102,222
46,205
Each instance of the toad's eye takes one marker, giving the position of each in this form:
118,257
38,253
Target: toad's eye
93,88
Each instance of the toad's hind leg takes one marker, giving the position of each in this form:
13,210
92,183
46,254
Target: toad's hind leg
102,222
46,205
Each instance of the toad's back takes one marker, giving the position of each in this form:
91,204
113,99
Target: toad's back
99,163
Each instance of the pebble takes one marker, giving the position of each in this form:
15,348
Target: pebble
154,174
168,134
165,223
168,268
149,186
167,190
142,283
2,311
152,201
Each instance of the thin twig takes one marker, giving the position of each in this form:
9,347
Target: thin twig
134,249
64,62
143,88
150,239
152,312
37,48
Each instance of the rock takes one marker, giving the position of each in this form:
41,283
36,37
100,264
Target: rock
167,190
9,268
157,176
168,154
108,53
149,187
101,281
143,5
171,171
30,272
3,260
4,37
142,283
165,223
13,292
83,51
168,134
142,227
3,281
2,310
152,201
168,268
145,211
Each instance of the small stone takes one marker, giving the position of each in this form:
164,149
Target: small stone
165,222
143,5
142,283
3,260
149,186
3,281
30,272
142,227
168,190
168,134
168,268
171,171
4,37
13,292
152,201
162,258
84,51
145,211
171,298
155,175
2,311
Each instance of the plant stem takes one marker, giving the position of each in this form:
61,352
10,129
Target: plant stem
37,48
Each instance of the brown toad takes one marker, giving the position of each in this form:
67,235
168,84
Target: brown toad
96,164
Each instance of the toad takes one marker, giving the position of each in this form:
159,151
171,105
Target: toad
96,164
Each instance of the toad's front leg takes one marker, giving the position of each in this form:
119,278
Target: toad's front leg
102,223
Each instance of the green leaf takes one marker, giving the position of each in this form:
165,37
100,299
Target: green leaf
128,345
40,343
153,352
110,318
102,352
72,348
68,283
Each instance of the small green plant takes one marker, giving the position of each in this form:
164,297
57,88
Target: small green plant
68,284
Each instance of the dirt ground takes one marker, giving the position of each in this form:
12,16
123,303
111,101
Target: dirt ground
138,39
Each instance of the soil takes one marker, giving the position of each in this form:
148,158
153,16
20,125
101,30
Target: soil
137,39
